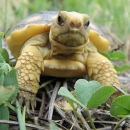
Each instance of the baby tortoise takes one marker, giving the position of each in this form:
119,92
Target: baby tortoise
61,45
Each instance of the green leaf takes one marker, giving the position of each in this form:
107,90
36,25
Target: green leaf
53,126
65,93
5,93
84,90
5,67
100,96
11,80
1,77
122,68
117,55
106,55
5,55
121,106
4,115
1,59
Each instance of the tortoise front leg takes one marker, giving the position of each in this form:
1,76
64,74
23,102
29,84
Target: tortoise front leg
29,66
100,69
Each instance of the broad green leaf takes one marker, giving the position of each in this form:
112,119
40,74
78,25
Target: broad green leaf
84,90
1,77
5,93
117,55
5,67
122,68
53,126
11,80
106,55
65,93
4,115
121,106
100,96
5,54
1,59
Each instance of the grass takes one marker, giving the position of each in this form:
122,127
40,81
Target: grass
114,14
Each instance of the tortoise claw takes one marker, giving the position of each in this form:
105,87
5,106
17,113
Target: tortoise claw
33,104
28,106
20,101
27,99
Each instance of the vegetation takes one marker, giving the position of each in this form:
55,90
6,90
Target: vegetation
90,95
113,14
87,95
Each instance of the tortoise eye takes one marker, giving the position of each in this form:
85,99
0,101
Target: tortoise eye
60,21
87,24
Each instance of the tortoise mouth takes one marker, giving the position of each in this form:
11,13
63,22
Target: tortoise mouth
71,39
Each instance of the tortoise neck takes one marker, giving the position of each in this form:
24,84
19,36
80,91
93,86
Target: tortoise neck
58,48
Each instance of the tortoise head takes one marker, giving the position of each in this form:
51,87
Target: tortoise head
70,29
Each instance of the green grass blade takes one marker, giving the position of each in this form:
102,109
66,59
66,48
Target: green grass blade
20,117
53,126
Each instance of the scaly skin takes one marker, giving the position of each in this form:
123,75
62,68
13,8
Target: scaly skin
100,69
29,67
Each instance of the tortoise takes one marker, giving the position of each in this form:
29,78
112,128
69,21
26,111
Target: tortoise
59,44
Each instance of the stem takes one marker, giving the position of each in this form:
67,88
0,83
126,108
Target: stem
117,125
90,119
24,113
20,117
77,114
11,107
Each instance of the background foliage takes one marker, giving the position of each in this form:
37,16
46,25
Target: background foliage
113,14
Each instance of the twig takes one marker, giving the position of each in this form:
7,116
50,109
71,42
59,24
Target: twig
105,128
106,122
65,84
119,89
75,120
62,114
86,124
28,125
118,47
42,105
53,97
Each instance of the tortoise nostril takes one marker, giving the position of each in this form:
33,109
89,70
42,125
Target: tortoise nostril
78,25
75,24
72,24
